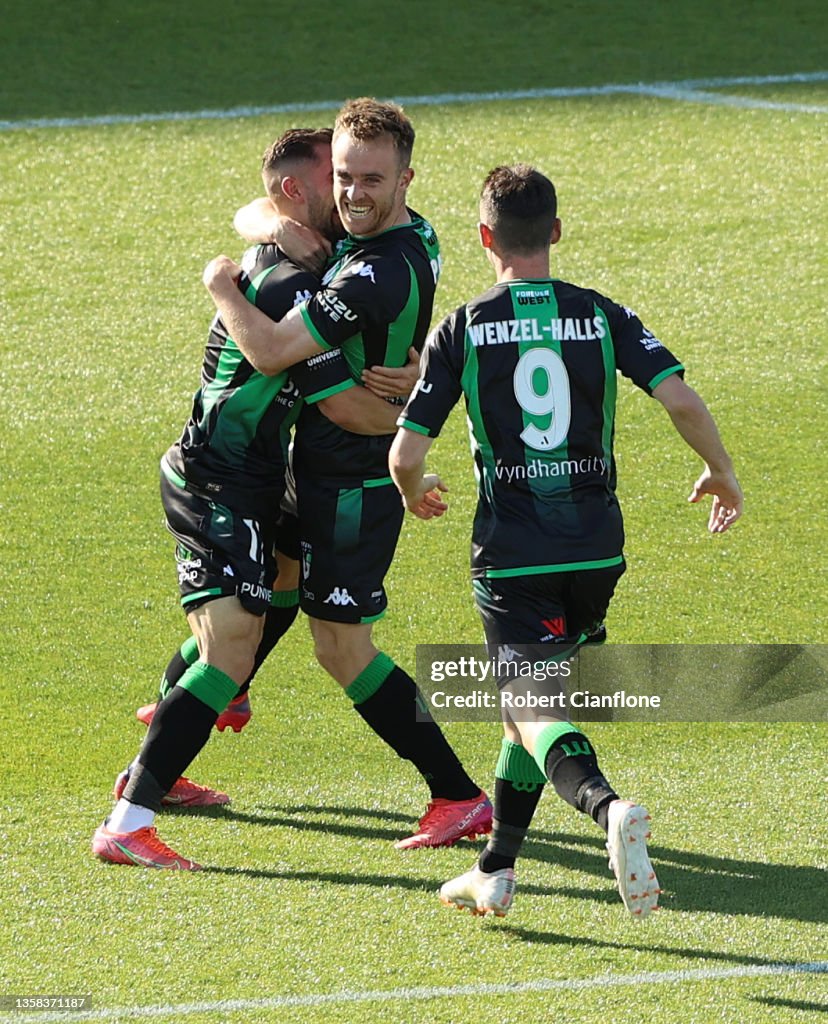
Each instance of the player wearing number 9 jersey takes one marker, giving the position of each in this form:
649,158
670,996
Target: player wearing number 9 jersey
536,360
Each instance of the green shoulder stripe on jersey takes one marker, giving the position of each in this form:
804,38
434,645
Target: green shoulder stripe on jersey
318,396
659,377
171,475
401,331
540,570
415,427
610,386
317,337
253,287
479,439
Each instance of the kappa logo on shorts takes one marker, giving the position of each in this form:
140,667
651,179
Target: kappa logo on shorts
339,597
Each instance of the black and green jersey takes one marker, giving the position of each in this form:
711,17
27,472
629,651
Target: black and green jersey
375,303
536,362
234,446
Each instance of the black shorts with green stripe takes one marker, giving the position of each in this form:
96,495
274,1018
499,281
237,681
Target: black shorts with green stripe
348,537
545,608
219,552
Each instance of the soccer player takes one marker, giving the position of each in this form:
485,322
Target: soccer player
375,304
535,359
221,486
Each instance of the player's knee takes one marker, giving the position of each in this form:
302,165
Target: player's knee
329,649
342,649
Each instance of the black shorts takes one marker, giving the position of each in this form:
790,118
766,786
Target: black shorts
534,626
348,537
219,553
551,608
287,522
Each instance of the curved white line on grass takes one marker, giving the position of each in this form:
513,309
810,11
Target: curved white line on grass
687,89
423,992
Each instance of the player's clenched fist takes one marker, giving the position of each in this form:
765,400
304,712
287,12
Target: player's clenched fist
220,273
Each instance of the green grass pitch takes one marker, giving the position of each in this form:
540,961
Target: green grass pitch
706,218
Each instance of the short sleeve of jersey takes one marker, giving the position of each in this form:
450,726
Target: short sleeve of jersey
638,352
440,385
273,283
363,295
322,376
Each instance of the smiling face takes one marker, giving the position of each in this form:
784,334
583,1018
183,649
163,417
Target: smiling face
369,184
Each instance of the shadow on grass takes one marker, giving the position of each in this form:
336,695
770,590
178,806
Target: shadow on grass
685,952
697,882
431,885
691,882
791,1004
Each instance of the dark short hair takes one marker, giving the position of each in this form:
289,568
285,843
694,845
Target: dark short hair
295,144
519,205
366,119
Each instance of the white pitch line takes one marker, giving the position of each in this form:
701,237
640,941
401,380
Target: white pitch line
420,993
686,89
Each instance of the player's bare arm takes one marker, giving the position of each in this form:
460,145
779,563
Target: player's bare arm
269,347
393,381
420,491
693,421
358,410
260,222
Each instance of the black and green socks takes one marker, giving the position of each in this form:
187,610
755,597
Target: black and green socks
284,607
179,729
518,788
567,759
185,656
388,700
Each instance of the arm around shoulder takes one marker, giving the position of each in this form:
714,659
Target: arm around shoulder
358,410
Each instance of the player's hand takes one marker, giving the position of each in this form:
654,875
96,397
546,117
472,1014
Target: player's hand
727,498
219,274
426,503
393,381
304,245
